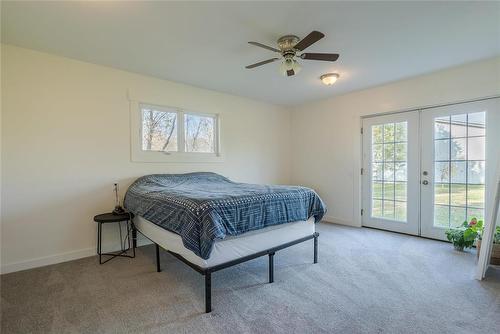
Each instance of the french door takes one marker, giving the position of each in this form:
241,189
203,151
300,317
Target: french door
425,171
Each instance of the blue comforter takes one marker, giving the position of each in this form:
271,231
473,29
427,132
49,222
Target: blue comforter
203,207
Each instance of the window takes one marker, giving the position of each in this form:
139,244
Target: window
199,133
166,134
159,130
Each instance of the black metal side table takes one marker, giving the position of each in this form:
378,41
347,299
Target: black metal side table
129,227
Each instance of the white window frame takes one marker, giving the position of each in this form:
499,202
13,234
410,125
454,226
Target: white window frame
140,155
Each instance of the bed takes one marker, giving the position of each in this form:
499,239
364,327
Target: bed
210,222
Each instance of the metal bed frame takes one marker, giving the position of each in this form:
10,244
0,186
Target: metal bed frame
207,272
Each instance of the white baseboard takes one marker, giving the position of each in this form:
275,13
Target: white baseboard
58,258
81,253
334,220
47,260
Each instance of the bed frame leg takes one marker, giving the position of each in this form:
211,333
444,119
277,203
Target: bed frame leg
208,292
315,248
271,267
158,269
134,236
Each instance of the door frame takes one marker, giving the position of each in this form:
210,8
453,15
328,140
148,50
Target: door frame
358,182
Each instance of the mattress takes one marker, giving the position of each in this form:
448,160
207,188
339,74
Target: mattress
232,247
203,207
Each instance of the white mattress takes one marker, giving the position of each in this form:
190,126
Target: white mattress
231,247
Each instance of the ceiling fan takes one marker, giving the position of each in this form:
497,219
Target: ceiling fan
288,47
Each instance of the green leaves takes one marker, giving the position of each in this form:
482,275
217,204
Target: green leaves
464,235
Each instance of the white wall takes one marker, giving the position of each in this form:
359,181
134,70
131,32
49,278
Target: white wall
66,139
326,134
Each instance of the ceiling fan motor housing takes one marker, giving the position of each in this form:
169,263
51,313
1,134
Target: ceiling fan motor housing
286,43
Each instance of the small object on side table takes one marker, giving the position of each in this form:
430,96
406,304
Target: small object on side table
130,229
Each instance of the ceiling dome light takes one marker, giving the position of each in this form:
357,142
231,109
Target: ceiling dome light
289,65
329,78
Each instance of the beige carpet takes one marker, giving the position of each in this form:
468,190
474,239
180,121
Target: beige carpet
366,281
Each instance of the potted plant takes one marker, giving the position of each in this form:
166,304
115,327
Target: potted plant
464,236
495,251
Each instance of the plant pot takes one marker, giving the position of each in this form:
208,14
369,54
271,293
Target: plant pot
495,253
459,248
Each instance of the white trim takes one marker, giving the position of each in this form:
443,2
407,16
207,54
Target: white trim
334,220
137,154
48,260
430,106
59,258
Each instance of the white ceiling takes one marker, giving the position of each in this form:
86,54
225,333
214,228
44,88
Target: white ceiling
205,43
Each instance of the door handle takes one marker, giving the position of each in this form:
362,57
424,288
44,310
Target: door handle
425,182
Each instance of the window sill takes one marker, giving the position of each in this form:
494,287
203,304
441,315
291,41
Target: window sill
174,157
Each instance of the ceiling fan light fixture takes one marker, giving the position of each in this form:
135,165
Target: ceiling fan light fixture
289,65
329,78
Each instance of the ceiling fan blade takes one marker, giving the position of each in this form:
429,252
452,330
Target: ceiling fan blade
320,56
309,40
264,46
290,73
261,63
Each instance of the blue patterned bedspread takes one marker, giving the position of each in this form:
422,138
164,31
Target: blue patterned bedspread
203,207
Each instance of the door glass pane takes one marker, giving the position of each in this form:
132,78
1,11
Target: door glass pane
442,127
441,216
458,148
442,149
459,169
458,126
389,171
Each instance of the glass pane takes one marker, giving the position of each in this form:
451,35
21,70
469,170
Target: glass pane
200,133
389,190
477,124
388,209
459,125
441,216
442,149
400,150
442,193
475,213
477,147
458,149
400,211
388,152
377,133
389,143
401,131
388,132
458,172
400,171
377,190
476,172
377,171
159,130
442,172
377,152
400,191
389,171
458,194
475,195
457,216
377,208
442,127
